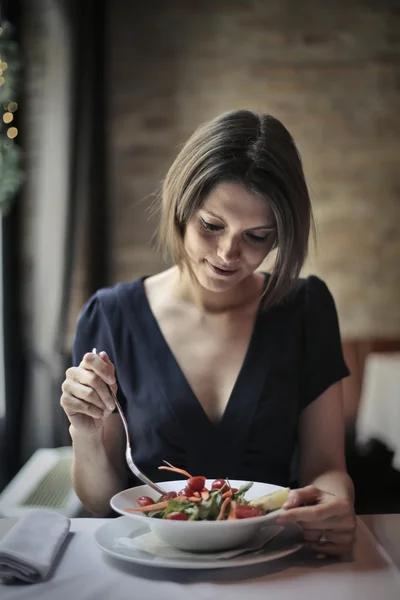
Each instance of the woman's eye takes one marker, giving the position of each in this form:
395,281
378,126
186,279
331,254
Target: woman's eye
210,226
257,238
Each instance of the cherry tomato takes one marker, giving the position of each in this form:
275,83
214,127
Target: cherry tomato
247,512
234,490
218,484
145,501
186,492
177,516
196,483
168,496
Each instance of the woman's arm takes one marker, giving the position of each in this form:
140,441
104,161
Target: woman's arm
98,470
322,459
324,508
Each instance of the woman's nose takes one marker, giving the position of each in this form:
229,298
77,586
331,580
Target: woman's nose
229,250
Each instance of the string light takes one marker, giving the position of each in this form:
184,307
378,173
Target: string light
10,154
12,132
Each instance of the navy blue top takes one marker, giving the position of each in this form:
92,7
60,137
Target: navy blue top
294,354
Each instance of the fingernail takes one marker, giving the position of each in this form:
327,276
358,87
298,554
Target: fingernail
111,380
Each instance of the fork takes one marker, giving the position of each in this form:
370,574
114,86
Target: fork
128,452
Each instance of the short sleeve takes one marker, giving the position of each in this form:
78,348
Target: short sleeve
323,358
94,330
88,330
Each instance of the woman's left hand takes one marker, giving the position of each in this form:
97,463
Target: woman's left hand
328,521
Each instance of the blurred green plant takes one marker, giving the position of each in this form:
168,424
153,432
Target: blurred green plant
11,174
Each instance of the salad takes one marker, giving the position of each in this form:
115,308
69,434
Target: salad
196,502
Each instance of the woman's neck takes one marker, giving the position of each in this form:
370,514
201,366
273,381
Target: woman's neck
245,295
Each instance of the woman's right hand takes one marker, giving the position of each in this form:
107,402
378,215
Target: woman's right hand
85,398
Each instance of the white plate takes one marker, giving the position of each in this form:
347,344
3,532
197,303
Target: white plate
106,537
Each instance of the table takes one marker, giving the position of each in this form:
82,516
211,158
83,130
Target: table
386,529
379,411
85,573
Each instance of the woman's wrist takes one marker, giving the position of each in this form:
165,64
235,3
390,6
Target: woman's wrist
89,439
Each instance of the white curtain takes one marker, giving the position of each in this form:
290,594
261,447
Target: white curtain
2,373
48,144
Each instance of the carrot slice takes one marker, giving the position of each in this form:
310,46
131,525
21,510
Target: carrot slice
173,467
150,507
232,514
227,494
223,507
175,470
205,494
168,464
161,505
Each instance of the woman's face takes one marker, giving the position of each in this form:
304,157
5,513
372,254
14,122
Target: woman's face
229,236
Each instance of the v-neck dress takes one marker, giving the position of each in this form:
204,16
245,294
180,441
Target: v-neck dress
294,355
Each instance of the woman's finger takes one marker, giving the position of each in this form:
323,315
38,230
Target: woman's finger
73,406
307,495
318,512
346,523
329,549
88,386
331,537
107,359
103,368
85,393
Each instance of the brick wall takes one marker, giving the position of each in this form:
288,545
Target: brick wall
329,70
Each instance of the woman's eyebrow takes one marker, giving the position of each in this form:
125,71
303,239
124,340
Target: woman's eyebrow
213,214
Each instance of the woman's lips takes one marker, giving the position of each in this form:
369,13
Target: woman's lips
222,272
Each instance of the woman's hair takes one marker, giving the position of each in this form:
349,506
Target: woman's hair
256,151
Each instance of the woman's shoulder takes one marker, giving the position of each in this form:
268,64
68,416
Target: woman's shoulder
311,283
108,300
310,289
110,294
121,298
315,300
304,289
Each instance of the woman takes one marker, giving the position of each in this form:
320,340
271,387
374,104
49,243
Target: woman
221,369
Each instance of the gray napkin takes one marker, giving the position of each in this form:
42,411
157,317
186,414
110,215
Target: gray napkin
29,550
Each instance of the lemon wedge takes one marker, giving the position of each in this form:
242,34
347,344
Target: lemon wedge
271,501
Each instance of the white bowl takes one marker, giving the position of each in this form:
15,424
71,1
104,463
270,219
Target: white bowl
197,536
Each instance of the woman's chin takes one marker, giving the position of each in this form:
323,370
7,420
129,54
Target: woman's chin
216,283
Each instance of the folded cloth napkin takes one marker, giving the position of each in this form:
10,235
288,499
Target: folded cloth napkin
29,550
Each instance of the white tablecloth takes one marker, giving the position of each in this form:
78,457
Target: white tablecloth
379,410
85,573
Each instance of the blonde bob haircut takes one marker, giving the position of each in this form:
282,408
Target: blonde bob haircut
254,150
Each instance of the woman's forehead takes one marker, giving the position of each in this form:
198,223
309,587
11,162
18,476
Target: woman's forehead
232,201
